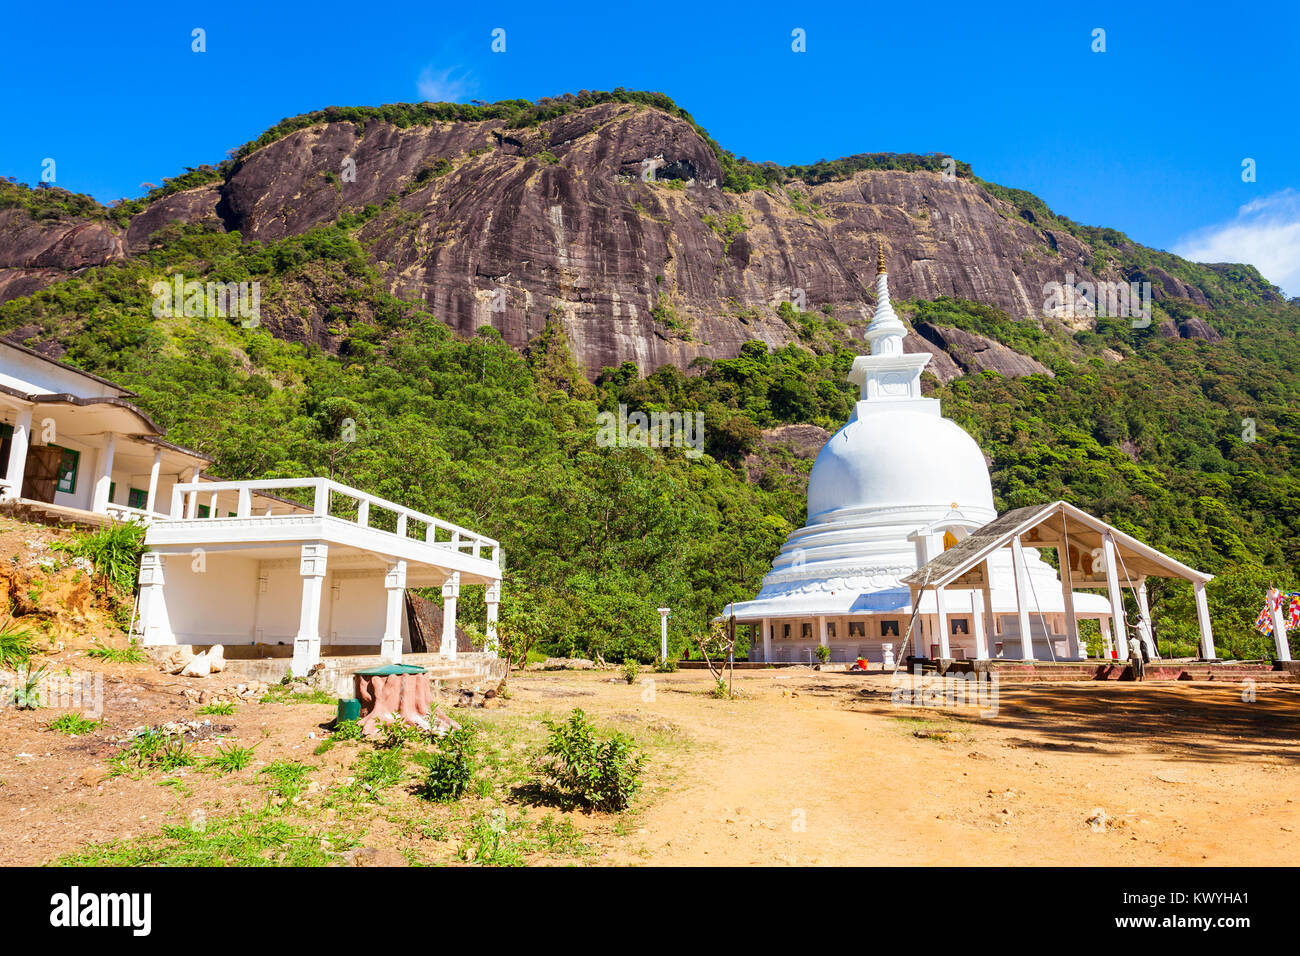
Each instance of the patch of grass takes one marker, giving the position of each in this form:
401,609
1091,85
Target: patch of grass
16,643
265,838
374,772
26,694
74,725
152,749
287,778
221,708
495,839
113,550
230,758
280,694
131,654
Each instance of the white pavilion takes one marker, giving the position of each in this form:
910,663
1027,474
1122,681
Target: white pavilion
892,490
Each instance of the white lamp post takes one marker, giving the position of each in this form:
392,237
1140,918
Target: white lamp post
663,634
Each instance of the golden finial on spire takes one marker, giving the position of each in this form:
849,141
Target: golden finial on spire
880,261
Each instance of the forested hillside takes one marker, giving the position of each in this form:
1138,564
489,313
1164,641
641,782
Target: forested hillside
1191,444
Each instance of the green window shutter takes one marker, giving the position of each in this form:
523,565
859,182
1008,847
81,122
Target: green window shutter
137,498
203,511
112,491
68,471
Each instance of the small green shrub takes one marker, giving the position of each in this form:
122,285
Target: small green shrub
152,749
395,733
823,653
599,775
16,643
451,766
221,708
74,725
668,666
230,758
347,730
631,668
26,695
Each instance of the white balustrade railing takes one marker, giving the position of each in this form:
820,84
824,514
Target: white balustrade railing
443,534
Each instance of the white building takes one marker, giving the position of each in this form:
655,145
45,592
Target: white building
891,490
73,447
267,577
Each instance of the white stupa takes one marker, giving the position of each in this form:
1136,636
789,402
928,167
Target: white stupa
894,487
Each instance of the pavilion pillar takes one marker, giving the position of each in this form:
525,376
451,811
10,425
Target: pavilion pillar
390,648
906,639
823,637
104,475
941,620
1147,633
1203,619
977,626
767,640
306,646
450,592
1022,591
1117,621
1075,649
152,496
16,467
986,591
492,598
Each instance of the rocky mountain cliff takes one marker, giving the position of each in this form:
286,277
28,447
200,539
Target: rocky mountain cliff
612,218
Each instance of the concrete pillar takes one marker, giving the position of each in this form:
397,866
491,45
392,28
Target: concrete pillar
492,597
152,496
1117,620
1280,643
1022,596
822,637
941,620
767,640
16,467
986,596
1203,619
306,646
1144,614
977,626
450,592
395,585
192,504
663,633
153,611
1073,646
104,475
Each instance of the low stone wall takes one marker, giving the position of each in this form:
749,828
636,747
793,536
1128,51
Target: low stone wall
334,674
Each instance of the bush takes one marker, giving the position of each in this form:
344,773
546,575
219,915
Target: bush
594,774
114,551
668,666
451,767
823,653
631,667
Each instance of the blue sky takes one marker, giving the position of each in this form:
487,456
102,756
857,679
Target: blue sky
1148,137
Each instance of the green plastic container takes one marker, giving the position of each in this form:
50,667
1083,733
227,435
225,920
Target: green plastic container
349,709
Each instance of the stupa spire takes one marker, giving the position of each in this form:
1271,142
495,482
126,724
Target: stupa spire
889,375
886,331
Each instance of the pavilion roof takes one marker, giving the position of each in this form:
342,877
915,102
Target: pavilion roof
1059,525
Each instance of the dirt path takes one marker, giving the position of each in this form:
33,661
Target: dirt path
1181,774
803,768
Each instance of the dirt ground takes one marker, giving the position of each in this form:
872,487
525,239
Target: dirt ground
802,768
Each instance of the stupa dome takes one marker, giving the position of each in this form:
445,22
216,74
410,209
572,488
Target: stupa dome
899,458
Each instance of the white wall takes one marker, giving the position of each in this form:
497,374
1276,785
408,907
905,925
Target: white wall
214,605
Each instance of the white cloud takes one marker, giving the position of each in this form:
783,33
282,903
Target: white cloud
1264,233
442,86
